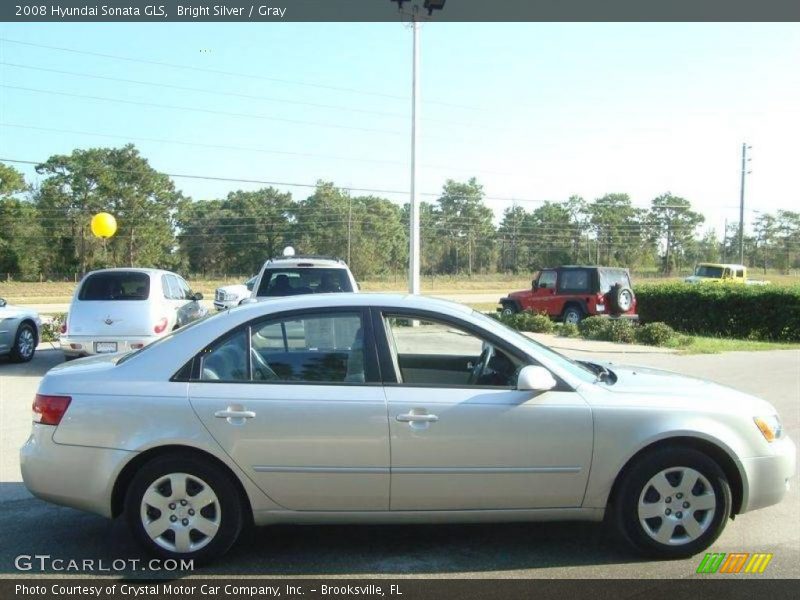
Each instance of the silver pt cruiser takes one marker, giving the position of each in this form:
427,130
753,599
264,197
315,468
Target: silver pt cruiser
367,408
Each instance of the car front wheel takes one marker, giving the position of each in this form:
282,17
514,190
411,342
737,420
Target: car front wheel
672,503
24,344
183,507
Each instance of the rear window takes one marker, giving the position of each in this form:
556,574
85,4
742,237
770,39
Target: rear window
303,280
611,277
121,285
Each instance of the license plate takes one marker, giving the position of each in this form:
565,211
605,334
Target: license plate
104,347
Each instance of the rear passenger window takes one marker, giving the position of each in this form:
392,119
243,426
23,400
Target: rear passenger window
574,281
227,360
315,348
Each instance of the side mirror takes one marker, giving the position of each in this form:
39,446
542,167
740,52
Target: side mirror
534,378
533,285
197,296
2,302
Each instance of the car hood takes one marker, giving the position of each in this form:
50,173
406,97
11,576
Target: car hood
9,311
695,279
656,387
518,294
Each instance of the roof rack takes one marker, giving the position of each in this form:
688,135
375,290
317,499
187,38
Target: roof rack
306,257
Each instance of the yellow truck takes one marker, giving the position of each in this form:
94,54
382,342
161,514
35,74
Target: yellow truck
721,273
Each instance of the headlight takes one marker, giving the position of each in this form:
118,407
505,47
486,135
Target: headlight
770,427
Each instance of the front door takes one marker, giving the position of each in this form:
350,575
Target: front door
462,436
543,298
296,402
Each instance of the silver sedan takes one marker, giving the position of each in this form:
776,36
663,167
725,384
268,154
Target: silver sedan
367,408
20,331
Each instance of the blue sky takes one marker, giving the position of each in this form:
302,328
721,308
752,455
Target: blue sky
534,111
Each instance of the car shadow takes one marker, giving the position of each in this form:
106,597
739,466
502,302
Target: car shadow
47,356
311,550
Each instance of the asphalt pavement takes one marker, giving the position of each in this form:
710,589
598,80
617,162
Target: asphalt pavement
536,550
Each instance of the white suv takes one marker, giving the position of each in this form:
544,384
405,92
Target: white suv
294,275
118,310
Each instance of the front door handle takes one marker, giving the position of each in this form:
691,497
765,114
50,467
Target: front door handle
413,417
230,413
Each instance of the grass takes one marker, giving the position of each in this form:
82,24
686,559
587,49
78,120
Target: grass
697,344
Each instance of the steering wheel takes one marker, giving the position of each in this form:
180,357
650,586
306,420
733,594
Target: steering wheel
261,370
482,365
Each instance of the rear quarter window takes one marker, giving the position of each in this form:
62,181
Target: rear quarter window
116,286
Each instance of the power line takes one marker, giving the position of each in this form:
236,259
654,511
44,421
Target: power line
227,73
196,109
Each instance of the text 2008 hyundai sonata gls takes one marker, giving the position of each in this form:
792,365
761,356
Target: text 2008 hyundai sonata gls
380,408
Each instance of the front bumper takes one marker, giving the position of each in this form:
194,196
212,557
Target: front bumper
80,477
85,345
768,476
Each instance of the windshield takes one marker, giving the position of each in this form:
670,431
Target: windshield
303,280
708,271
536,349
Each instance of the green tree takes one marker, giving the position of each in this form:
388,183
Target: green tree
618,229
674,223
21,236
465,222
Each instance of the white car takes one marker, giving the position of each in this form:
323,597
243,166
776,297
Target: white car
228,296
292,275
368,408
20,331
118,310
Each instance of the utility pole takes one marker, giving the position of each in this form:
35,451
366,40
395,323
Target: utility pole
745,172
349,225
413,213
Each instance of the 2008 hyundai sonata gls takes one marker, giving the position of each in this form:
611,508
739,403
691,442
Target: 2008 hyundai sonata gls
381,408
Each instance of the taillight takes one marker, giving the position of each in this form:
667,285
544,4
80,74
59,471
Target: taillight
48,410
161,325
63,328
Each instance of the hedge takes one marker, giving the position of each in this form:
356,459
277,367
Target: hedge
767,312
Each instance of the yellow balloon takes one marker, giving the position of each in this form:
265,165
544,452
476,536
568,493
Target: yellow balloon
104,225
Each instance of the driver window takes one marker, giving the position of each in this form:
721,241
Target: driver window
440,354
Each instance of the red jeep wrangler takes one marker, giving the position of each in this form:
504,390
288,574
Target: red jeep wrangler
573,293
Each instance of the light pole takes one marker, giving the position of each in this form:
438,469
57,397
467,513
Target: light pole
745,172
413,212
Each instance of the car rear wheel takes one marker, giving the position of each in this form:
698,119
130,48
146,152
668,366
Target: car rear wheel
672,503
572,315
182,507
24,344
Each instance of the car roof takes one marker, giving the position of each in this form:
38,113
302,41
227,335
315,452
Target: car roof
306,262
335,300
132,269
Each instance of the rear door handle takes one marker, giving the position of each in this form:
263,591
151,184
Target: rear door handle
234,414
417,418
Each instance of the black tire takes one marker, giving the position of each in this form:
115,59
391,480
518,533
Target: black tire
621,298
508,309
229,504
24,344
572,314
632,488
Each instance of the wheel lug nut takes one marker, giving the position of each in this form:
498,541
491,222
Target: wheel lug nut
679,514
172,506
686,505
668,500
679,495
191,512
173,518
185,521
668,512
183,502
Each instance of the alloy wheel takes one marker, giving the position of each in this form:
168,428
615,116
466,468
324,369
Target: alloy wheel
676,506
180,512
25,343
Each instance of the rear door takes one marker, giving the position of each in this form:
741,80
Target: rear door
296,401
112,303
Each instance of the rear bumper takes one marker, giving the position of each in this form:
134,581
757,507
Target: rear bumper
79,345
768,476
58,473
